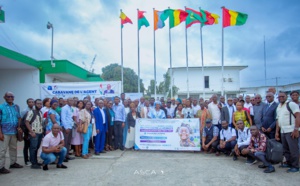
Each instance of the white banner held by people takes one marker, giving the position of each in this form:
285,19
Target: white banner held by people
167,134
81,89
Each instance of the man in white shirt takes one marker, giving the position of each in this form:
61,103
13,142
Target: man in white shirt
243,140
195,107
248,105
170,110
288,122
227,139
214,110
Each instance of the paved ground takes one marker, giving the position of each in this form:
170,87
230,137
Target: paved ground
151,168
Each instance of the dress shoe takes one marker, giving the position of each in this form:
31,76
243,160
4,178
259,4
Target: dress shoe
97,154
66,160
45,167
122,148
270,169
285,166
15,166
62,166
103,151
234,158
262,166
4,171
35,166
217,153
70,158
293,170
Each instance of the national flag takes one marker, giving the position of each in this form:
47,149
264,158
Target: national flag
176,16
142,21
195,17
124,19
159,19
211,18
2,16
233,18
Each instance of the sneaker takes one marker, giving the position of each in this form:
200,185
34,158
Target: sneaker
4,171
293,170
15,166
35,166
45,167
28,164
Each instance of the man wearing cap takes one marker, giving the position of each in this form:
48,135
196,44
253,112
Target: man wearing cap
227,112
210,137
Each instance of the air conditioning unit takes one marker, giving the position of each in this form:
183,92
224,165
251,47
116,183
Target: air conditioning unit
229,79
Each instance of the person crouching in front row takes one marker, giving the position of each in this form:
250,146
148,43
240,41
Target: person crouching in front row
257,149
52,147
210,137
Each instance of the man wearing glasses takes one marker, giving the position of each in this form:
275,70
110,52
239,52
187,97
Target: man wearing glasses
10,119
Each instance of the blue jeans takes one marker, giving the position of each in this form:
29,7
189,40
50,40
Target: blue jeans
34,146
51,157
86,139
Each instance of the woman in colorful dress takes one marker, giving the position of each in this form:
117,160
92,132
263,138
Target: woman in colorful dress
77,138
157,113
241,114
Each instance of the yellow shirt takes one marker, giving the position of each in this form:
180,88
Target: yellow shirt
241,115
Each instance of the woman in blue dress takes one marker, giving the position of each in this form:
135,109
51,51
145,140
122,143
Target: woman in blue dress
157,113
52,116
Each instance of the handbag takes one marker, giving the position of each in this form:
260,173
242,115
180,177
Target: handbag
84,128
19,134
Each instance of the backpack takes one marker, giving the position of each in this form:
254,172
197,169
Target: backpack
291,112
274,151
23,122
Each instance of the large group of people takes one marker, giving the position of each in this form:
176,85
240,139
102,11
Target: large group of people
235,127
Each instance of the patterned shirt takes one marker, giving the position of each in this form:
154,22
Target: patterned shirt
57,119
9,115
36,125
259,143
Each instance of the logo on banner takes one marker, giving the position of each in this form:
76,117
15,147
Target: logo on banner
49,88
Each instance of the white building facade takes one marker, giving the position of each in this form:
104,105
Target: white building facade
209,83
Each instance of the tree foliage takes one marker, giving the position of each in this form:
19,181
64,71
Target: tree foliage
163,87
112,72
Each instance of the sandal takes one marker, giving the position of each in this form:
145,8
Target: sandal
84,156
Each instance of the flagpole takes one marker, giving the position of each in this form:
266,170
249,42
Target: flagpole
138,40
201,43
170,48
222,55
154,50
122,87
265,60
187,60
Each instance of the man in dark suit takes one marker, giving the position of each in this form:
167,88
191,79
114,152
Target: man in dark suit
269,116
227,112
101,127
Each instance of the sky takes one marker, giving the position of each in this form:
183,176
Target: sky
83,29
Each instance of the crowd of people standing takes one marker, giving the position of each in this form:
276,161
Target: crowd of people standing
236,126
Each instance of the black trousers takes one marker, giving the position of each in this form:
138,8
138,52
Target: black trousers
118,131
214,145
290,149
26,148
109,135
